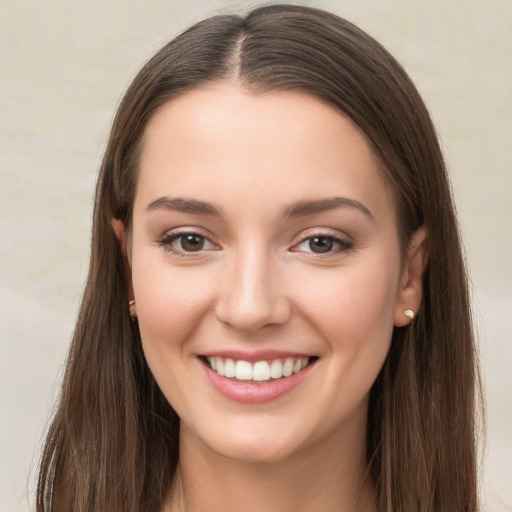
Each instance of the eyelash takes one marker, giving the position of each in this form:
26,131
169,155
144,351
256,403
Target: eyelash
344,245
167,240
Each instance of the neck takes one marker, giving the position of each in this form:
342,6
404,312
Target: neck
330,477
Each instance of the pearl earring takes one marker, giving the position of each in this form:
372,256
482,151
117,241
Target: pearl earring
131,306
409,313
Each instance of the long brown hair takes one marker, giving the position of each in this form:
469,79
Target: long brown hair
113,444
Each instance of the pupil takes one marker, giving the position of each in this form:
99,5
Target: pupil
192,243
320,244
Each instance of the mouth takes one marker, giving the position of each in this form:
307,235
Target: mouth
257,372
256,377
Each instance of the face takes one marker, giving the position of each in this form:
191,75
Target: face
266,269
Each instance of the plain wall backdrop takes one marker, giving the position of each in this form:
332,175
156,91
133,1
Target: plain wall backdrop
63,68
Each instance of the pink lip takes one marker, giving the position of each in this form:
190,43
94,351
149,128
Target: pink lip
250,393
252,357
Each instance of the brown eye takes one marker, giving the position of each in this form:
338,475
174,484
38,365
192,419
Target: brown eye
190,242
186,244
321,244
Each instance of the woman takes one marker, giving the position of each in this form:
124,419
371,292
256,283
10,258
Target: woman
274,215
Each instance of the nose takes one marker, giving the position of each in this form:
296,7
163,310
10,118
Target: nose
252,295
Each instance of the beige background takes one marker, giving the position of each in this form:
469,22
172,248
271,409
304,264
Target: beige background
64,66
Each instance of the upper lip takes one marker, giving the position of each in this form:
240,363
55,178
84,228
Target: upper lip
257,355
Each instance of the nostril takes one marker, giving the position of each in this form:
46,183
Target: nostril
250,295
246,315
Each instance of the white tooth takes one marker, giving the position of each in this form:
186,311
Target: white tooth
276,369
304,362
296,366
229,368
213,362
220,366
288,367
261,371
243,370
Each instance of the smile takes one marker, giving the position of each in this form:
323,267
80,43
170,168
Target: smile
266,377
258,371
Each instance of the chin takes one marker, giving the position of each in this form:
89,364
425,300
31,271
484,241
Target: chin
268,452
249,445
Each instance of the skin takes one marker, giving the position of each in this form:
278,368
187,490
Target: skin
258,284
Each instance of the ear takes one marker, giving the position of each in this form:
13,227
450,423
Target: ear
411,289
120,232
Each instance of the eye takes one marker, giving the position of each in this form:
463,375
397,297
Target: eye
186,243
190,242
323,244
320,244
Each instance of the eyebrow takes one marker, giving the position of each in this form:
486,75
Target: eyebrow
183,205
312,207
301,208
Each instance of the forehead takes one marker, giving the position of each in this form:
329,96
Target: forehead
221,142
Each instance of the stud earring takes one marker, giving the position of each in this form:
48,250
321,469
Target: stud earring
132,308
409,313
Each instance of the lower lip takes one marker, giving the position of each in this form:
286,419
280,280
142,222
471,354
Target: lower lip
250,393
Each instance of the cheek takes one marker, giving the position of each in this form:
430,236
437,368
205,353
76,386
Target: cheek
170,302
352,309
354,314
357,299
